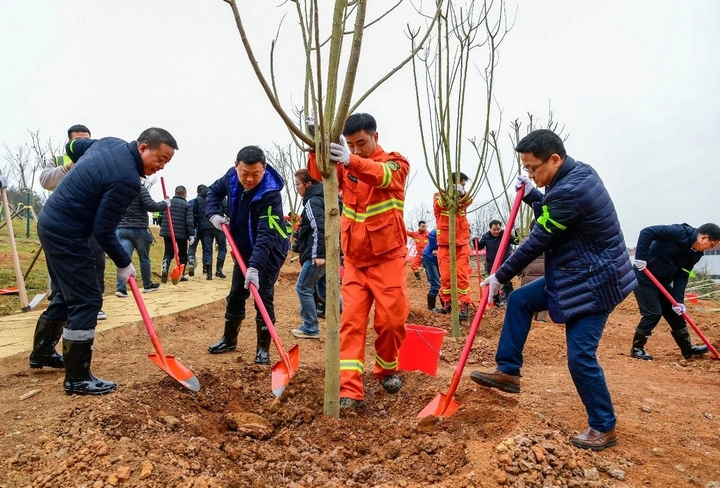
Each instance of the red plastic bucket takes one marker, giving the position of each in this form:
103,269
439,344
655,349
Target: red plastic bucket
421,349
692,298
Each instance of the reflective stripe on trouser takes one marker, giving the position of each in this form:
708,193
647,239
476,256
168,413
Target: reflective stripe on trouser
463,273
385,284
416,262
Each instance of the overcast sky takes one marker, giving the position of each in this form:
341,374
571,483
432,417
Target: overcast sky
636,85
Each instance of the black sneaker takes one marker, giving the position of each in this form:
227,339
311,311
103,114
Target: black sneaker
346,402
101,315
151,288
391,384
184,278
121,294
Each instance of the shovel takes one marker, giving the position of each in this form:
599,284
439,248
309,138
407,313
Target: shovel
284,369
174,368
26,306
444,405
685,315
177,271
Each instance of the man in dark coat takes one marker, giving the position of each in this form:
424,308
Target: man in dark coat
669,252
587,273
184,229
491,242
90,201
253,189
207,233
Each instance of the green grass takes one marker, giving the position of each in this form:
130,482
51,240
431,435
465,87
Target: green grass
37,280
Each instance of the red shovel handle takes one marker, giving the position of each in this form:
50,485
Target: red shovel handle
146,319
685,315
170,224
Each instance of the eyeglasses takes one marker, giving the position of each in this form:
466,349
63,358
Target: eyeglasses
532,170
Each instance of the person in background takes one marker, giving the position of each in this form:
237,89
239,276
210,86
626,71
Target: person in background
90,201
192,248
207,233
420,237
50,177
432,272
491,242
587,274
184,228
253,189
669,252
310,245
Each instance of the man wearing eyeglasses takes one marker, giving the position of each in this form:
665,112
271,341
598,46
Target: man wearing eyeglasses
587,273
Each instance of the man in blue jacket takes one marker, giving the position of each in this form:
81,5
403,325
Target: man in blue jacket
587,273
670,252
90,202
430,263
253,189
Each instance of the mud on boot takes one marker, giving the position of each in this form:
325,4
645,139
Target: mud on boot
79,380
262,354
228,342
391,384
682,338
47,335
346,402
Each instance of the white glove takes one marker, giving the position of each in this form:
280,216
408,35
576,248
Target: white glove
340,153
252,277
126,272
168,202
3,181
493,283
679,309
460,189
640,264
218,220
191,240
522,179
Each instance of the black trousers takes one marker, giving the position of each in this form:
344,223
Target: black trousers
169,253
654,306
238,294
72,269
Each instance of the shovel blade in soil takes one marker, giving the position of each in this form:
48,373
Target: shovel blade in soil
282,372
176,274
440,407
36,300
176,370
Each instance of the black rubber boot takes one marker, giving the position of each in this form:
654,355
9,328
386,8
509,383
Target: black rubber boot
164,274
262,356
191,265
208,271
432,300
638,347
78,378
682,338
228,342
47,335
218,269
204,269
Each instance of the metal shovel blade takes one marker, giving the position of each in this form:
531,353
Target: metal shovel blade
36,300
282,372
176,370
176,274
440,407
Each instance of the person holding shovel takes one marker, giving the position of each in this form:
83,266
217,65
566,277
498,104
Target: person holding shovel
184,227
587,273
669,252
253,189
90,202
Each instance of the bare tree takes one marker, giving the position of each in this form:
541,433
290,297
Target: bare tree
287,160
464,47
328,97
418,213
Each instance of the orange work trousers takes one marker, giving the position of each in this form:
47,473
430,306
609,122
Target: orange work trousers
416,262
463,273
386,285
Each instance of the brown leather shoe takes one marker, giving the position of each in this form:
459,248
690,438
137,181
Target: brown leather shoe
497,379
595,440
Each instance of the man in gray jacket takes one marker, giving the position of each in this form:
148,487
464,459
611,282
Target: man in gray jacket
134,234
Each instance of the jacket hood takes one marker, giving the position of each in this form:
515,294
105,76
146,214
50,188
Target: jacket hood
315,190
272,181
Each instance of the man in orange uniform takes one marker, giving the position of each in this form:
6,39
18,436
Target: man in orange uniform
462,248
420,237
373,242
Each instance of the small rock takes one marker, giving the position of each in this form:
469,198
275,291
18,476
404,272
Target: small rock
123,473
618,474
591,474
112,480
645,409
500,476
501,448
680,468
709,416
171,421
504,458
539,452
102,450
713,484
146,469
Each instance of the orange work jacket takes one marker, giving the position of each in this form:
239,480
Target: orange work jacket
372,226
442,221
421,239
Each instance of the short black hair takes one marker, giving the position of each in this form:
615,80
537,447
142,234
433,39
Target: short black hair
463,177
710,230
542,143
180,190
357,122
250,155
155,136
77,128
494,222
200,188
422,222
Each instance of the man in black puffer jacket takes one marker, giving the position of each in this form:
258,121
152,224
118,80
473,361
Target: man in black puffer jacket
669,252
184,228
491,242
587,273
90,201
207,233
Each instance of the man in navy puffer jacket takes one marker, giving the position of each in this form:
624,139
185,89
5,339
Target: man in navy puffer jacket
587,273
90,201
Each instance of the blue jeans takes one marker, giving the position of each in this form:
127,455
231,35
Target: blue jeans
207,236
139,240
306,283
582,335
433,275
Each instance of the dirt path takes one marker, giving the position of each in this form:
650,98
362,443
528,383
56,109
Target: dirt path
152,432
